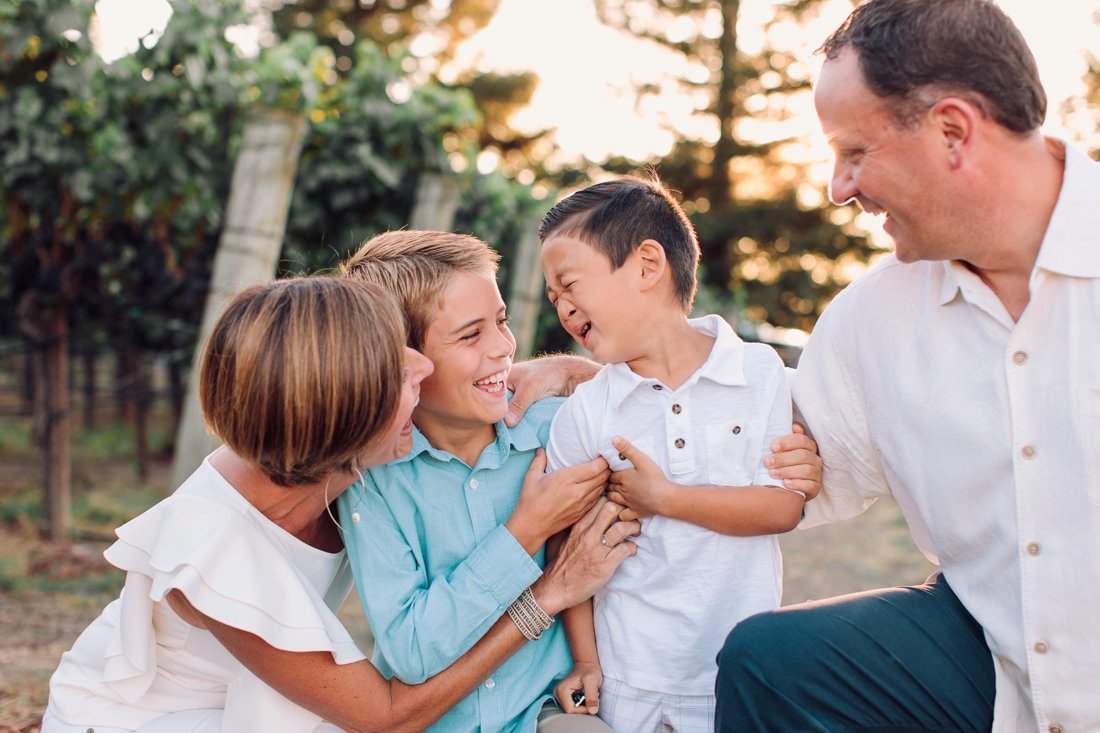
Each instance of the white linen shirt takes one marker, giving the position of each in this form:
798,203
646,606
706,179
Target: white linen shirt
917,382
662,618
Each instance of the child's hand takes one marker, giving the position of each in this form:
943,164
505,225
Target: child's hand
642,489
795,459
586,677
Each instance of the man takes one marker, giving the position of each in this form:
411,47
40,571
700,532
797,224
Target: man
962,376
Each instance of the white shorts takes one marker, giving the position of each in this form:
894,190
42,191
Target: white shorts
630,710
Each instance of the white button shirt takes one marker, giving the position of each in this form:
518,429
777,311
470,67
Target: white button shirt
661,619
916,382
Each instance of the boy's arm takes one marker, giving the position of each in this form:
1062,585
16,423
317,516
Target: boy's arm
744,511
587,676
763,507
422,626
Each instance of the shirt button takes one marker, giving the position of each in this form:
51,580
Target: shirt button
736,430
473,483
676,409
1055,728
1033,548
1019,357
658,387
1028,451
679,443
490,684
1041,647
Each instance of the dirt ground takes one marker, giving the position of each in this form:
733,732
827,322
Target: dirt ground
871,551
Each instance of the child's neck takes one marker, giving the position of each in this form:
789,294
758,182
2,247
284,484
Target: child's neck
465,442
672,354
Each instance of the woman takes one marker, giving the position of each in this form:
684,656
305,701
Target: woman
226,619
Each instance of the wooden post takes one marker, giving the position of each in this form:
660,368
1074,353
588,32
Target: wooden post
248,252
527,291
436,203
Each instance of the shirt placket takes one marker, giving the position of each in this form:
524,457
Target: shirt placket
479,504
681,454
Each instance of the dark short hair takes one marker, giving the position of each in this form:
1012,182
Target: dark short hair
969,48
300,376
615,217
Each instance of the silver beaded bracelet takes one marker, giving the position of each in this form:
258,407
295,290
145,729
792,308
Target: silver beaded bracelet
528,615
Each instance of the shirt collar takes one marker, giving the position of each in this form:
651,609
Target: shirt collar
725,364
1071,244
522,437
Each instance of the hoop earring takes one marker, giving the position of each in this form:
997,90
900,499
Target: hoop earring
358,499
354,509
328,507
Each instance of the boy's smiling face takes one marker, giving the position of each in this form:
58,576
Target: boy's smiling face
595,303
472,347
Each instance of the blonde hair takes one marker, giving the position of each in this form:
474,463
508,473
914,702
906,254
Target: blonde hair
416,267
299,376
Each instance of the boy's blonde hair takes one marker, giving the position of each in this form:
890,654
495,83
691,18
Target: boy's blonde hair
300,376
416,267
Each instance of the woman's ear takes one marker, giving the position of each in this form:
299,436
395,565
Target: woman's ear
652,262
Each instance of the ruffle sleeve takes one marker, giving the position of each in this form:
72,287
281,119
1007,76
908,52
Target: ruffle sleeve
230,569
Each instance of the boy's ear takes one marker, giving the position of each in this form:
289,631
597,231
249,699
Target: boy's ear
652,262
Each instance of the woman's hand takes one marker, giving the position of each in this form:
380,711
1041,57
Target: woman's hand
795,460
551,502
585,678
597,544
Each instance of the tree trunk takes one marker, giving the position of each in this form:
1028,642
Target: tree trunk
248,251
89,406
56,459
141,415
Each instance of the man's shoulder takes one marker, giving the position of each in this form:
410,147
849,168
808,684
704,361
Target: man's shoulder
888,281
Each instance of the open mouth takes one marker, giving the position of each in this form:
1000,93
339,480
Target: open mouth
495,384
582,334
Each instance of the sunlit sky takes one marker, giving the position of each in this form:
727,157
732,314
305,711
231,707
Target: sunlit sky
587,69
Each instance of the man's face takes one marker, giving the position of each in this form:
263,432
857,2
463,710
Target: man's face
894,171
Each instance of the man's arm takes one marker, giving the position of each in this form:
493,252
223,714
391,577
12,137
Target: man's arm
556,375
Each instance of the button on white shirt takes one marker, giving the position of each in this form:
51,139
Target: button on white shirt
916,382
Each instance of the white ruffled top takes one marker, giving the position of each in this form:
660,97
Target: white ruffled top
139,660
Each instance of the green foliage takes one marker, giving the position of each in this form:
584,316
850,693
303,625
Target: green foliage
772,252
372,136
115,177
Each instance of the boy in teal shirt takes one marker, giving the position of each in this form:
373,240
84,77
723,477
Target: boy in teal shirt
444,539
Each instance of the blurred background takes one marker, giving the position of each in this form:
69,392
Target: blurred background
157,156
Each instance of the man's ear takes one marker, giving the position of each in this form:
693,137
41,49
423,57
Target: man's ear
651,262
955,120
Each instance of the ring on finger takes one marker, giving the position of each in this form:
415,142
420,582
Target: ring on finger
604,541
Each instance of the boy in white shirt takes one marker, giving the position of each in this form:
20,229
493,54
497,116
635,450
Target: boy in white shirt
684,412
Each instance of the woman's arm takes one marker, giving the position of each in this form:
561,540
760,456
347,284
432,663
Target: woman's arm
357,697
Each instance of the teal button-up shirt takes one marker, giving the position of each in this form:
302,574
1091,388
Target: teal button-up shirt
435,568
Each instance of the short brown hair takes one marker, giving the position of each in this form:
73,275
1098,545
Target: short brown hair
299,376
416,267
910,51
